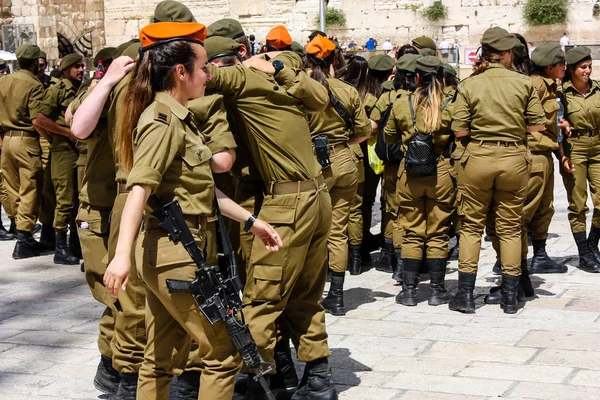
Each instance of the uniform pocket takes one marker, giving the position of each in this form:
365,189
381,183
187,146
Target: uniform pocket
159,251
194,155
460,204
279,214
267,283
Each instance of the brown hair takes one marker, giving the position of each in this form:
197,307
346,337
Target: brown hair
153,73
488,56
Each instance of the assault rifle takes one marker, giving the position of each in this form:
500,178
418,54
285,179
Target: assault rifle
215,290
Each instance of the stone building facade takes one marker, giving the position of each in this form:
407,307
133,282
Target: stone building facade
110,22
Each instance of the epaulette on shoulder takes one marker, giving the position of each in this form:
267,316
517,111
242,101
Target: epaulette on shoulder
162,113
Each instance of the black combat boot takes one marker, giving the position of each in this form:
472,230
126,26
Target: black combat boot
47,239
127,389
285,379
410,273
592,241
542,264
62,255
13,226
587,261
354,259
188,385
397,276
26,246
107,378
497,268
437,272
36,229
334,302
316,382
4,234
525,288
463,300
74,245
386,257
509,289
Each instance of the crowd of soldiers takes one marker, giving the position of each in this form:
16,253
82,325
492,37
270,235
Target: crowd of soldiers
292,145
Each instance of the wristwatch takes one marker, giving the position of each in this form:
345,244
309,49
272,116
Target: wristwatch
278,65
249,223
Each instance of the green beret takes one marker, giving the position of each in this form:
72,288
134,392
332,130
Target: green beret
172,11
449,69
104,55
499,39
315,34
578,54
427,52
55,73
290,59
122,47
547,54
69,60
219,46
226,27
408,62
388,86
381,62
429,64
43,55
2,62
132,50
298,49
28,52
519,50
423,42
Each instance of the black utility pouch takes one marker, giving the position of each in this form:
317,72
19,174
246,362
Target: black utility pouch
322,150
419,159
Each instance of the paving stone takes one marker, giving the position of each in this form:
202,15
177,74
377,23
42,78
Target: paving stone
359,392
500,336
434,319
449,384
553,303
570,358
41,322
31,367
47,307
531,373
546,391
485,323
560,315
561,340
480,352
72,387
23,384
7,333
421,365
584,304
349,326
586,378
417,395
375,379
387,346
64,354
367,314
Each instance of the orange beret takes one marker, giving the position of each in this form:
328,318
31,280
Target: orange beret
169,31
320,47
279,37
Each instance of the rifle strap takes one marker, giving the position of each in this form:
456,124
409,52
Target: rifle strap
225,242
340,109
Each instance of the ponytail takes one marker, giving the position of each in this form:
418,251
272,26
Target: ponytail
428,100
488,56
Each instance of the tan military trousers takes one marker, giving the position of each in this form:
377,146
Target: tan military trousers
4,201
491,176
23,176
539,204
390,215
249,195
64,178
341,179
130,328
355,221
93,229
426,204
290,282
48,199
172,318
585,156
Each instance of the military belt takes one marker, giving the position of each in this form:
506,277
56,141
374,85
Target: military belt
496,143
309,185
585,132
334,148
21,134
193,221
541,152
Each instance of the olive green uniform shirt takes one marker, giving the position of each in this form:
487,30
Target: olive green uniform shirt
329,122
210,117
21,95
582,111
382,103
56,100
269,120
547,139
490,105
98,188
46,81
400,127
171,158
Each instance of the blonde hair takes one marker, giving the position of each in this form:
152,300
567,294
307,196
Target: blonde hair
428,101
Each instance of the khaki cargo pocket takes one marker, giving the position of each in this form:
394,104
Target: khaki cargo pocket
161,252
279,210
550,107
99,227
267,283
460,204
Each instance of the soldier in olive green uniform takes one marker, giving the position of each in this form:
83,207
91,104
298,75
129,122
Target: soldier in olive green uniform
21,95
493,168
426,202
404,84
287,284
581,97
64,153
340,127
424,42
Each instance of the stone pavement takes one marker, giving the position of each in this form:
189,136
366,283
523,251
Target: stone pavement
381,350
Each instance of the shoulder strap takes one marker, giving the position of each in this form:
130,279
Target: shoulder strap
448,100
162,113
412,113
340,109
